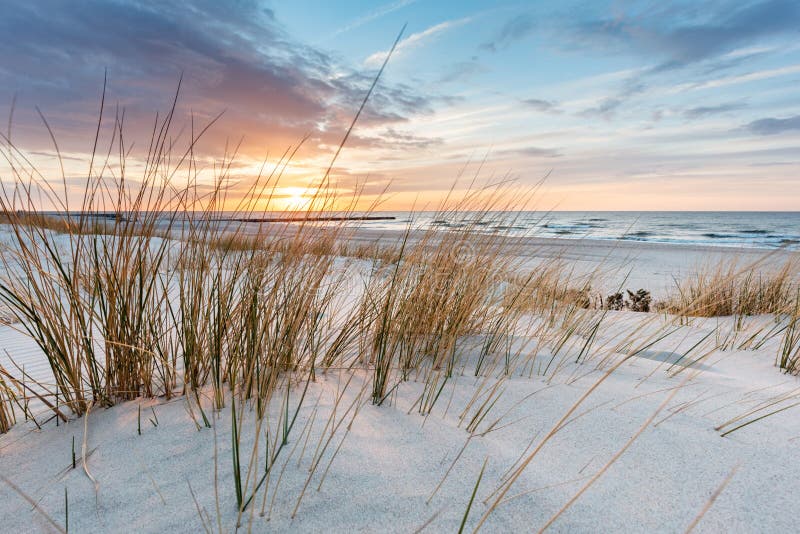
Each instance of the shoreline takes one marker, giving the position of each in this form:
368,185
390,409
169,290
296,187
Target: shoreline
648,265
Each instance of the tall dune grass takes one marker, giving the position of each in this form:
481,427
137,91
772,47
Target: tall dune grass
443,286
789,351
732,289
8,398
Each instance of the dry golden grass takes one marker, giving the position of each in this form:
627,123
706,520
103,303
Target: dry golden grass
8,398
442,286
731,289
789,352
550,286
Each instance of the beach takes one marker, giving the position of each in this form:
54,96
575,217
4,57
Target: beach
654,266
630,435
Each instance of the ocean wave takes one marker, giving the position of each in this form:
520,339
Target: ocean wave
682,226
506,227
568,226
755,232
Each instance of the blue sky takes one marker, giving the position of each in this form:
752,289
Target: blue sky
628,105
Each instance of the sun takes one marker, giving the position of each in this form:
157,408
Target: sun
294,198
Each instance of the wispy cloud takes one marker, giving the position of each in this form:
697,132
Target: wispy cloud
373,15
461,71
530,152
704,111
543,106
609,105
772,126
680,36
516,28
415,40
744,78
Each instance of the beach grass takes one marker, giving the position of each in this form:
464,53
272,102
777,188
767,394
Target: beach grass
731,288
789,351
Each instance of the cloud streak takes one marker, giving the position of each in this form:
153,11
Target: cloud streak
772,126
515,29
681,36
704,111
380,12
543,106
415,40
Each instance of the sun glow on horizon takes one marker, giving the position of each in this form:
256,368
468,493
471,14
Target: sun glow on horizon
293,198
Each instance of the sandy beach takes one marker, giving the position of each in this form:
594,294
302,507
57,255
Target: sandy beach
630,436
631,264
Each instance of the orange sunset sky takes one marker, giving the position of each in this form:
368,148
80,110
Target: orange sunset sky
644,106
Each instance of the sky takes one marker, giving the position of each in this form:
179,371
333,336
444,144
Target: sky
620,105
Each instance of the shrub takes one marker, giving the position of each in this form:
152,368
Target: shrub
639,301
615,301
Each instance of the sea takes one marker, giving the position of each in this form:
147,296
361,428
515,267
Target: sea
748,229
766,230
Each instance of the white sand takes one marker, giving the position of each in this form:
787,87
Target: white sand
391,460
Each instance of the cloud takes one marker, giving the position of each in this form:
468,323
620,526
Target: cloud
373,15
415,40
531,152
744,78
398,139
462,70
655,116
680,36
772,126
605,108
233,58
388,104
544,106
608,106
515,29
704,111
736,58
774,164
